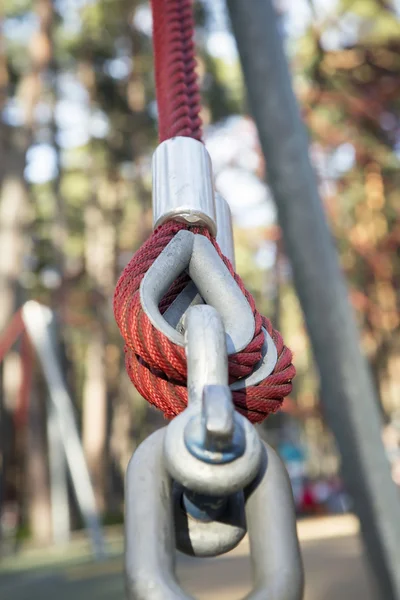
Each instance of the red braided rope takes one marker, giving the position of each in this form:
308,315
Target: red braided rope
178,97
157,367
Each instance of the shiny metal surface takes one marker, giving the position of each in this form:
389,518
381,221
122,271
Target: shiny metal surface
191,458
175,313
151,519
224,226
183,188
214,434
197,255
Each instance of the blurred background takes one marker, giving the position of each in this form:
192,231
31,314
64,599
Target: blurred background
77,131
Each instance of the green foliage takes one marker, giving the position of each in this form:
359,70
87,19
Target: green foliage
224,92
378,22
17,8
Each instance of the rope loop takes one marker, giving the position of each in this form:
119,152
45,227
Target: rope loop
157,367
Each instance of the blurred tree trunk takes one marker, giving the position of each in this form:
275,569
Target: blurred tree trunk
49,67
38,492
101,214
13,208
132,419
277,277
3,96
99,254
37,475
101,226
138,102
345,378
13,203
94,417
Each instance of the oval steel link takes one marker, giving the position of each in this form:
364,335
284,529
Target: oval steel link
150,529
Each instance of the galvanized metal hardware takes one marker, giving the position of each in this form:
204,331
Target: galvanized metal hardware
207,448
213,435
213,445
175,314
207,526
190,296
218,478
196,255
183,191
200,483
224,228
197,483
183,187
151,539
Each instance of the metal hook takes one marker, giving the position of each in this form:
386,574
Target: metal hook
192,438
150,529
193,484
211,451
196,254
175,316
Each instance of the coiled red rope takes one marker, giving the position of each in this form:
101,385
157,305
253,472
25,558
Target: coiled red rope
156,366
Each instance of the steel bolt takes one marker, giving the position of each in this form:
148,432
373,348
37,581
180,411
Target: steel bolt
217,417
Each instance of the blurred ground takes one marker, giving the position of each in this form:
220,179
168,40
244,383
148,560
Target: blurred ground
331,549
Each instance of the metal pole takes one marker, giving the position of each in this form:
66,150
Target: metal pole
347,392
60,516
38,321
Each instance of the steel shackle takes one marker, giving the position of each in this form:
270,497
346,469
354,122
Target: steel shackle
210,450
150,529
